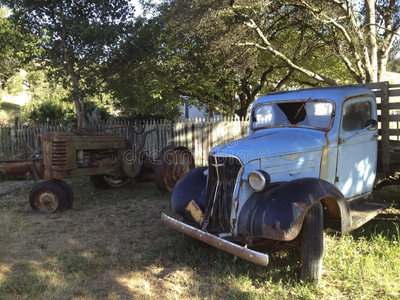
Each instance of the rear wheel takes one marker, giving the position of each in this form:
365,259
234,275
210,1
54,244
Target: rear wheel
170,165
107,182
312,245
48,197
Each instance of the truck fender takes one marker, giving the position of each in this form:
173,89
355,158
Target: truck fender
191,186
278,212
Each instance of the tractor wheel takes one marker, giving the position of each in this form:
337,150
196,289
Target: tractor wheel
170,165
312,245
106,182
68,191
48,197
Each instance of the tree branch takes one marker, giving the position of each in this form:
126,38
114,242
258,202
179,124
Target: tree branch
268,47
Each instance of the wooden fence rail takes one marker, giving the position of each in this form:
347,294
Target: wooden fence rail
199,135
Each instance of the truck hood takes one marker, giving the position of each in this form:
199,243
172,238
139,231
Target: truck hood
272,142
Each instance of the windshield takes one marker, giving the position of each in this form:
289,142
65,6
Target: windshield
307,113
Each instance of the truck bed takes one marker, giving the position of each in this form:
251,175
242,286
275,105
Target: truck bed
394,152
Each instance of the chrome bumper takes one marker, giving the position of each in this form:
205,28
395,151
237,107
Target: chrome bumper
239,251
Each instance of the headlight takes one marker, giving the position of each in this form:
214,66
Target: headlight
258,180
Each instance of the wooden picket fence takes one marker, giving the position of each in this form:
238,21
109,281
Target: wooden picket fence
198,135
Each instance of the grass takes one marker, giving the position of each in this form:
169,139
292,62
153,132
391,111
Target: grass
112,245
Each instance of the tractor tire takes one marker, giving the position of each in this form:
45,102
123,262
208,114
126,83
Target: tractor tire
48,197
68,191
106,182
170,165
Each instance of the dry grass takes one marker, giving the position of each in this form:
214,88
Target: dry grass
112,245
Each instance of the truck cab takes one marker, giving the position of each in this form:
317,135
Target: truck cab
308,163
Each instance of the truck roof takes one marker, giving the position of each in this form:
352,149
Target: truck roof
337,94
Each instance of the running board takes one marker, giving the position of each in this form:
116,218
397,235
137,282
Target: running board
217,242
365,212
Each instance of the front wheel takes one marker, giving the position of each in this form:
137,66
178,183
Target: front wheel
68,191
48,197
312,245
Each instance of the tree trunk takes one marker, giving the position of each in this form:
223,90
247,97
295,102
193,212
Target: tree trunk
70,67
371,40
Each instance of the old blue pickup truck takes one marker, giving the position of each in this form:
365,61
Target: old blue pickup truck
308,163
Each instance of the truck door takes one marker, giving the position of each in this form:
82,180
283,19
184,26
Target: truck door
358,147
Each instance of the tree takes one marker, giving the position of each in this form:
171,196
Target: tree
135,77
18,48
78,37
202,55
360,33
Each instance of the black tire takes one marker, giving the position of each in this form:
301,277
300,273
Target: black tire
48,197
105,182
69,192
312,245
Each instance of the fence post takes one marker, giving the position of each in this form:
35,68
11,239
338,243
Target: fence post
385,126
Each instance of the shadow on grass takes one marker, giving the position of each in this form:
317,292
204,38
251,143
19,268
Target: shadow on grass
221,269
387,223
112,244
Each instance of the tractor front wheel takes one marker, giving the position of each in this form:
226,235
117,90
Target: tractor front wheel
48,197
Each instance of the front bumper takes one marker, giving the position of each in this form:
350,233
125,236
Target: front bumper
239,251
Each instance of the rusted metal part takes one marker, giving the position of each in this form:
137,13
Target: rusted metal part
21,169
148,163
237,250
46,200
131,164
170,165
49,197
195,211
69,155
102,156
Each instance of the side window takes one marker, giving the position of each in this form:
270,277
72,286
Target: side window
356,115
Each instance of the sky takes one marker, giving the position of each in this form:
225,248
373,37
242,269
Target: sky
138,7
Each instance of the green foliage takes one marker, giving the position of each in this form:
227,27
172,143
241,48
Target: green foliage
48,110
77,37
8,111
394,65
50,101
18,48
194,51
135,76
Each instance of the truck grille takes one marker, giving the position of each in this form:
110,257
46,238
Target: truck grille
223,172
